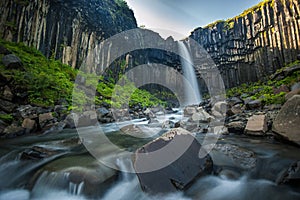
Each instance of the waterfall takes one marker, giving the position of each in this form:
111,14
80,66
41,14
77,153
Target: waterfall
194,96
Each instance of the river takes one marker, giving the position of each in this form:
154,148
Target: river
63,169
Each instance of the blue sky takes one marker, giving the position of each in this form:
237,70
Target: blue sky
180,17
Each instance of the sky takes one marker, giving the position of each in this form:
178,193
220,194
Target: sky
179,17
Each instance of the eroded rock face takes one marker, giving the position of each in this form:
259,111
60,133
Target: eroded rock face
64,28
248,47
171,162
287,122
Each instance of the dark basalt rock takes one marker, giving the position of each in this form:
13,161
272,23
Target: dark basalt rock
67,27
290,176
245,48
179,173
287,121
37,153
11,61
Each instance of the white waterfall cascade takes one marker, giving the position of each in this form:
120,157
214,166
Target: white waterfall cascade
191,97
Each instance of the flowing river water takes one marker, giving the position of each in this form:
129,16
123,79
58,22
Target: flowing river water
66,170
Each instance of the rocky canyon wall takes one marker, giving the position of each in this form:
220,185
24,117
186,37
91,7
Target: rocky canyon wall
65,29
255,44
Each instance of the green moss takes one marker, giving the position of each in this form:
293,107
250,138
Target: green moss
265,91
47,81
8,118
211,25
22,2
228,22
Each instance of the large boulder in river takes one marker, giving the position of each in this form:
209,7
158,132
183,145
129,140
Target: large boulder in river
256,125
171,162
287,122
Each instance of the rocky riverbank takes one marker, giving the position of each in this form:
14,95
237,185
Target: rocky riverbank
239,114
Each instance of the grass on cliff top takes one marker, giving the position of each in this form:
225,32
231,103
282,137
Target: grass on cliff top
47,81
228,22
265,90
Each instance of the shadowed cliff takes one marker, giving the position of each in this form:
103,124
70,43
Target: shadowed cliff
65,29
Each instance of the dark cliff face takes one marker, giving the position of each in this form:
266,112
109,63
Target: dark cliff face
65,29
253,45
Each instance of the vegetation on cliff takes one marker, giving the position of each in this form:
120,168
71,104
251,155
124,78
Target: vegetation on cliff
229,23
47,81
270,92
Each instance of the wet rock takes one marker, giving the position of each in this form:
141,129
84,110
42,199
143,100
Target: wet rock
7,106
180,171
236,127
236,109
88,118
221,130
89,176
290,176
56,127
189,110
61,109
29,125
291,94
153,121
28,111
95,180
7,94
168,124
106,120
256,125
37,153
149,114
177,124
11,61
71,120
219,109
287,121
13,131
253,105
102,112
234,101
234,155
201,116
189,126
133,130
220,106
45,118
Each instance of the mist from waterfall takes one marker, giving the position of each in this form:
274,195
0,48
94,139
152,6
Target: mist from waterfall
191,97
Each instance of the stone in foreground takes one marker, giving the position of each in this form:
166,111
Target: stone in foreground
171,162
287,122
256,125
